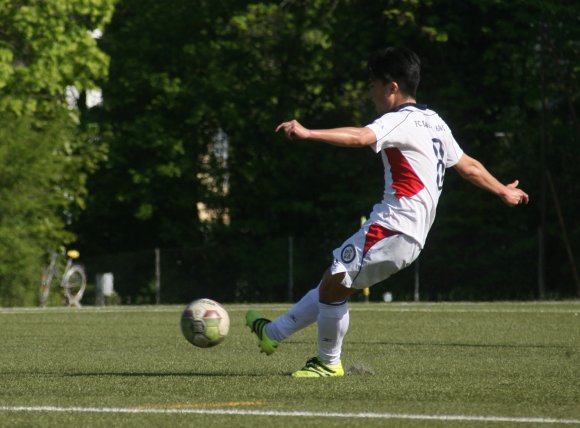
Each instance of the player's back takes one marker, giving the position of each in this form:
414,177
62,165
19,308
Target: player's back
416,146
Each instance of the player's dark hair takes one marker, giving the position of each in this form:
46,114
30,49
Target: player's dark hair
396,64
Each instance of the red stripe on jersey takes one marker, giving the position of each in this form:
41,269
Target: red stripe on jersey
375,234
405,180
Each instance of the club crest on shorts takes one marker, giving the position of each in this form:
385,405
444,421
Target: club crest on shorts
348,253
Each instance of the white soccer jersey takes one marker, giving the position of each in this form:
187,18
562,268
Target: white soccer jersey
416,147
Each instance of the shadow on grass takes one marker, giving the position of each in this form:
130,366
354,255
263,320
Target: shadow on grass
440,344
169,374
461,345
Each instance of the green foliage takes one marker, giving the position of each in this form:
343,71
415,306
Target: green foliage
190,79
46,157
32,200
160,125
45,46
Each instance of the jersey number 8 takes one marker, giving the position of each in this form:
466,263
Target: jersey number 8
440,154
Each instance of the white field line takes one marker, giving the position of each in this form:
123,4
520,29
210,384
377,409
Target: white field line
238,412
468,310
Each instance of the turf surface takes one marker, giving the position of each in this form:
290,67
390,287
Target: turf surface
508,364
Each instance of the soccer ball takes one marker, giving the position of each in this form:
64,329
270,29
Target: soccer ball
205,323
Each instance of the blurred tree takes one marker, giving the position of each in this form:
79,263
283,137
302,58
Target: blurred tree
196,90
45,48
185,80
160,123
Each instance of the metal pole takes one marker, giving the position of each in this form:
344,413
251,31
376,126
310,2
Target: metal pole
290,268
157,276
567,244
417,280
542,227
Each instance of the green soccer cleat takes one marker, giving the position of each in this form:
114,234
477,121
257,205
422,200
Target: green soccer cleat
257,323
316,368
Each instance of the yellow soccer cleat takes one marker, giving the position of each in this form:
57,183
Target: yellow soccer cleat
315,368
257,323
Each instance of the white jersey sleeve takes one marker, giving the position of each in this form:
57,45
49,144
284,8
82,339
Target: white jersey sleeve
454,152
387,130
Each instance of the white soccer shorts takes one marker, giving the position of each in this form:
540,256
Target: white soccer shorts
373,254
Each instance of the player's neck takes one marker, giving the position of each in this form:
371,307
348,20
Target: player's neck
400,102
404,100
393,101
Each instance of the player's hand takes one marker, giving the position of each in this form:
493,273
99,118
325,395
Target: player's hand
514,196
294,130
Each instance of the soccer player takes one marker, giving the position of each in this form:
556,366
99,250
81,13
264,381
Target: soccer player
416,147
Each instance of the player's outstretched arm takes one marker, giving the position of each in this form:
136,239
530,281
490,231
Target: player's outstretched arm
474,172
344,137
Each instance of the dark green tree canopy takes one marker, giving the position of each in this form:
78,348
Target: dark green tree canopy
186,77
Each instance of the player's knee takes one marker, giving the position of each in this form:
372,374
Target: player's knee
332,290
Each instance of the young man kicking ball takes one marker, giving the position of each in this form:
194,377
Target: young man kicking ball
416,147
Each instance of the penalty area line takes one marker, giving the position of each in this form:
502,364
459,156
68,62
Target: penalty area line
240,412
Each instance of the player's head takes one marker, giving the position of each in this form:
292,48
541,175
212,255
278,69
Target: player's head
400,65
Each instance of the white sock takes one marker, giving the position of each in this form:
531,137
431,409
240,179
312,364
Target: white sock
301,315
333,320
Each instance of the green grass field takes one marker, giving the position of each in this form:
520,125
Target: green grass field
436,365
